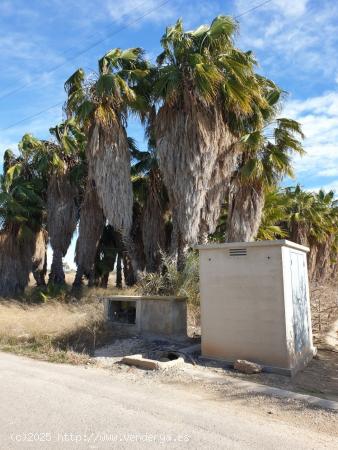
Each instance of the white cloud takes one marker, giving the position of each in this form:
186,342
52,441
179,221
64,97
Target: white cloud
130,10
319,118
38,126
296,43
322,104
329,172
327,187
126,11
300,38
290,7
287,8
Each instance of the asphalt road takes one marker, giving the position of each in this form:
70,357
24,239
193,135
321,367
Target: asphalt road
51,406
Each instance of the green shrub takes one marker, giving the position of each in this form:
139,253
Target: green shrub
172,282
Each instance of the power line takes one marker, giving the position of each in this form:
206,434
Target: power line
85,50
253,8
97,43
32,116
132,22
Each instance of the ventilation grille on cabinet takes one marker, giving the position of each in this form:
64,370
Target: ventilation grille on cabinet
237,252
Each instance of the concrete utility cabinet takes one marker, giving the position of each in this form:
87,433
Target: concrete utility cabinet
157,315
255,304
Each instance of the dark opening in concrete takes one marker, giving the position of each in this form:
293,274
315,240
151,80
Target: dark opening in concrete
171,356
122,312
166,356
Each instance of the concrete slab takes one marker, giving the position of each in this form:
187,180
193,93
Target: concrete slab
150,364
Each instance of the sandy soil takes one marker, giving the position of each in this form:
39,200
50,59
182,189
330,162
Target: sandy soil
320,378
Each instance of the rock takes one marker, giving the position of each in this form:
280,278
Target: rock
247,366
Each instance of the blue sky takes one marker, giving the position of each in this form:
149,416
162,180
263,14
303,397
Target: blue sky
295,41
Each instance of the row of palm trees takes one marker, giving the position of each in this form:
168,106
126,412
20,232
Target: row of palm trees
308,218
214,139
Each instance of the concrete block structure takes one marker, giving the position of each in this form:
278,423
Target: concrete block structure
255,304
157,315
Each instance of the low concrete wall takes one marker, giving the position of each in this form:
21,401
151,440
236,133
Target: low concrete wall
158,315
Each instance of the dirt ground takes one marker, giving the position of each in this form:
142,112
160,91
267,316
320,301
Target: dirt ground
320,378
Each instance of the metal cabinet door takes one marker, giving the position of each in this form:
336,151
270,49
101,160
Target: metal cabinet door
300,300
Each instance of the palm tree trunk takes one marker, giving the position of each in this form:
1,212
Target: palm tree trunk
91,278
323,268
39,277
312,260
39,261
62,214
181,253
119,271
128,270
57,275
218,192
78,277
153,232
137,240
104,280
16,255
245,210
109,166
192,142
299,233
178,248
91,226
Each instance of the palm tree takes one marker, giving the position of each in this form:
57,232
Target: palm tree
326,245
151,196
312,219
93,228
92,222
204,85
21,218
59,161
105,257
101,104
274,217
303,215
262,166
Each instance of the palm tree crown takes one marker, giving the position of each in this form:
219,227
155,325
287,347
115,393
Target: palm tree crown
204,64
107,96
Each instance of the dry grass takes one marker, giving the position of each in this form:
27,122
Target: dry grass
63,329
55,331
43,322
